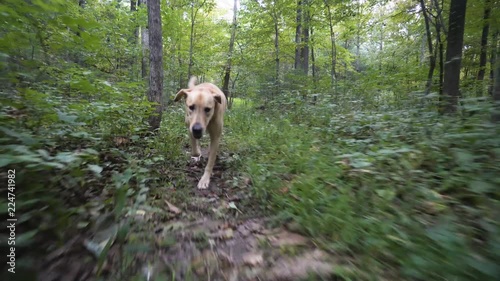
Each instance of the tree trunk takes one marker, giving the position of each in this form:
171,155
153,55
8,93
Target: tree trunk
432,58
194,14
333,49
227,74
439,52
484,41
495,66
306,18
191,41
145,45
302,37
298,35
454,47
277,54
156,63
313,61
493,59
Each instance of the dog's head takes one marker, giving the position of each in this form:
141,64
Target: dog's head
201,104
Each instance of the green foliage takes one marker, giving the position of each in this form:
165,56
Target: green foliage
408,189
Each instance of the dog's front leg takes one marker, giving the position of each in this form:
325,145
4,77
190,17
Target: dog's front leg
214,147
195,149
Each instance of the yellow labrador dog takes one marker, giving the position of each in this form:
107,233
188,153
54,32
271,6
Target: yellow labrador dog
205,107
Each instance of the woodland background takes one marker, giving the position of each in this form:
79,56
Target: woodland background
370,125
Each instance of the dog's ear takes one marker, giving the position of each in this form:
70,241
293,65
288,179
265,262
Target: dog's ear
181,94
218,98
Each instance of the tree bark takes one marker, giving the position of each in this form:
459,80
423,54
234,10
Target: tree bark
194,14
333,49
484,41
191,41
298,35
277,54
432,57
456,26
227,74
145,45
313,61
306,18
156,63
495,66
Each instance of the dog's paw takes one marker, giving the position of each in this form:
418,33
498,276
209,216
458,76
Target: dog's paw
204,182
196,158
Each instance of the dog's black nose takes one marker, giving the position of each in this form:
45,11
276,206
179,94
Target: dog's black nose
197,130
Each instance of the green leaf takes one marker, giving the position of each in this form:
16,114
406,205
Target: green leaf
66,118
25,239
95,168
479,186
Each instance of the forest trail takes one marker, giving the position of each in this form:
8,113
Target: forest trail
192,234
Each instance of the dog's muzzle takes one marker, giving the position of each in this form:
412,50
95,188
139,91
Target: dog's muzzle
197,130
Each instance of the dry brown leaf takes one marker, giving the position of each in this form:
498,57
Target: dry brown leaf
223,234
300,267
172,208
247,181
253,258
286,238
121,140
284,190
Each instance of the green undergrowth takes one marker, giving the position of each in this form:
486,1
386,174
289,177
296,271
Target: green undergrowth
80,156
404,191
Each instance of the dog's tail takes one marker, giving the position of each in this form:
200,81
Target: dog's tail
192,81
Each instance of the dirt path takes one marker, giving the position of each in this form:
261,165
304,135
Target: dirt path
213,234
218,236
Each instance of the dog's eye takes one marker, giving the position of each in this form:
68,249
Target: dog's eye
191,107
207,109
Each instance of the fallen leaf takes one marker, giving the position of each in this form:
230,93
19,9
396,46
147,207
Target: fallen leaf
286,238
172,208
253,258
284,190
232,205
301,267
247,181
223,234
120,140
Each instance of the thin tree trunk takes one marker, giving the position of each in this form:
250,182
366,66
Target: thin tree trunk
333,49
145,45
358,38
493,60
134,39
440,28
227,74
495,67
156,63
298,35
191,41
456,26
313,60
432,58
441,64
194,14
484,41
304,54
277,54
